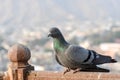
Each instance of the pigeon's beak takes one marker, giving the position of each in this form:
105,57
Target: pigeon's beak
49,34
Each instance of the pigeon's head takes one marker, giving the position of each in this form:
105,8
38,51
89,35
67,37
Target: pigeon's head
54,33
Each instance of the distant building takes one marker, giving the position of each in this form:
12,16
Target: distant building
39,68
110,48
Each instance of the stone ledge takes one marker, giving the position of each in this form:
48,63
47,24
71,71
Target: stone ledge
49,75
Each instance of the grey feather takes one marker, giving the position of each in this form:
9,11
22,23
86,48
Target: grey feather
78,54
58,60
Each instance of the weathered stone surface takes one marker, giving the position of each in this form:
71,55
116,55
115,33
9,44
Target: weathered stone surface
48,75
19,53
19,66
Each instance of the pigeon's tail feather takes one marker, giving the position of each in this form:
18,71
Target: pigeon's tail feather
113,61
104,59
95,69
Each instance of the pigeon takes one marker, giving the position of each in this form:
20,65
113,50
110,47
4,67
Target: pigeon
75,57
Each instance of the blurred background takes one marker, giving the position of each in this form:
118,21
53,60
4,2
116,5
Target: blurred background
93,24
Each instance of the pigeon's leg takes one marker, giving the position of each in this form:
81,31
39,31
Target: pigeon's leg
67,70
76,70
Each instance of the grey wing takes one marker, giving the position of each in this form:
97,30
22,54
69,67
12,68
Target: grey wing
79,54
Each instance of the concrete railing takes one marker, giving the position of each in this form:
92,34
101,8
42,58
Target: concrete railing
20,69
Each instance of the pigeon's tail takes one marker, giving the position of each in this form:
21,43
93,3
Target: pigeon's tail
95,69
103,59
113,61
